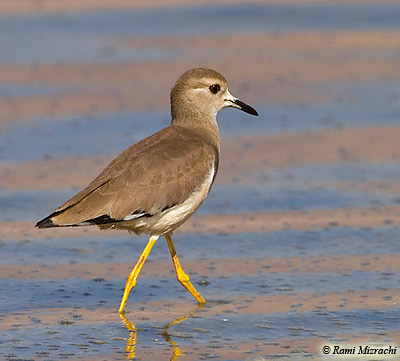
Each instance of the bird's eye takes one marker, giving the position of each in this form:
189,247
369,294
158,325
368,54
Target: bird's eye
215,88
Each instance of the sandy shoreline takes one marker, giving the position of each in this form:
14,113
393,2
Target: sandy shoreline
226,267
10,7
256,154
276,71
363,217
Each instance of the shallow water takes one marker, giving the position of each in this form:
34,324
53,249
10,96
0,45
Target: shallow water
271,197
279,294
363,105
90,36
119,247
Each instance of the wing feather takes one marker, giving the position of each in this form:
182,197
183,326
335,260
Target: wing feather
146,179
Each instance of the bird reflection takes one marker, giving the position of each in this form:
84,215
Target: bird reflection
131,342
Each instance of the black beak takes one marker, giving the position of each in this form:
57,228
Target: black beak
243,106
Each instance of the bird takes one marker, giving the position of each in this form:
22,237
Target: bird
155,185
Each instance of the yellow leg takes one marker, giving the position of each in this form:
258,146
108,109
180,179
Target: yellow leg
131,281
183,278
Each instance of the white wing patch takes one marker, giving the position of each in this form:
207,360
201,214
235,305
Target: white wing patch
173,217
134,216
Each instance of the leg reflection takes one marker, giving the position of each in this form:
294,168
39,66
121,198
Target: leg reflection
131,344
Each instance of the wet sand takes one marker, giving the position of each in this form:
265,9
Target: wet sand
372,145
285,63
297,245
44,6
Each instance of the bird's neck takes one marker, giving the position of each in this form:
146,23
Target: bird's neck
203,126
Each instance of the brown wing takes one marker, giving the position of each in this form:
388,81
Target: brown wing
147,178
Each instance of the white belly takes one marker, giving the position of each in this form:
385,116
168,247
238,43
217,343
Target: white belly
167,221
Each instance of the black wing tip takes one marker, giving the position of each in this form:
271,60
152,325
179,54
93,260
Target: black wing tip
48,223
104,219
45,223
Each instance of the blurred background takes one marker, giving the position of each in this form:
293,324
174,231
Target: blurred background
297,245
